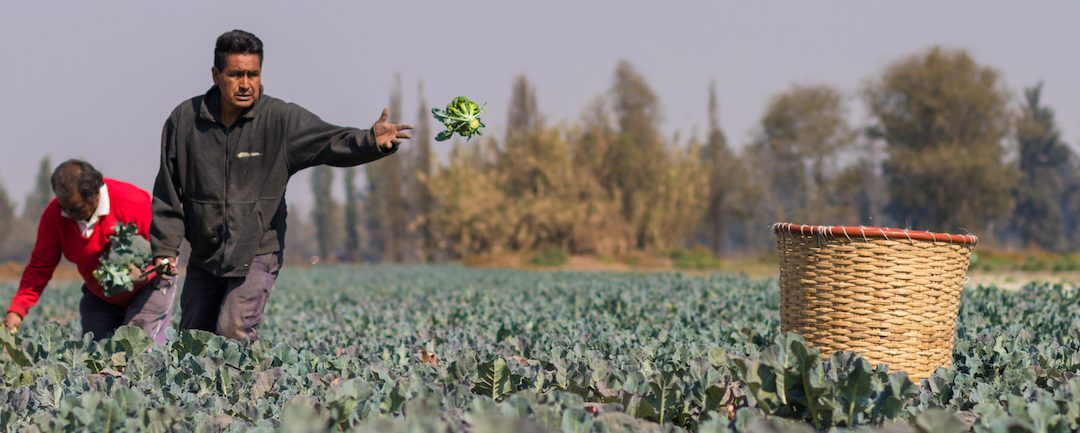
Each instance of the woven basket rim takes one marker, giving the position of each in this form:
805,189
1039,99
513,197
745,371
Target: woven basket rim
866,232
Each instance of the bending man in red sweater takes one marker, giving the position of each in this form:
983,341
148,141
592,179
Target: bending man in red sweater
76,225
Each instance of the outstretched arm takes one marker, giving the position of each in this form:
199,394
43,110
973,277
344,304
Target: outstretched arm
311,141
39,271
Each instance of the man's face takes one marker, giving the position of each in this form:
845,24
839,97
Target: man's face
77,207
240,82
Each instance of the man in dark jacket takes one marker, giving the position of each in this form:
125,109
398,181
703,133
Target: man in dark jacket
226,157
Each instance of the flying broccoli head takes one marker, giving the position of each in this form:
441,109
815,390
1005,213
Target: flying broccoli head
461,116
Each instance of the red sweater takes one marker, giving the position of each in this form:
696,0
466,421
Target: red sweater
60,235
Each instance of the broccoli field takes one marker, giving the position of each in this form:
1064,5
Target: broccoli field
450,349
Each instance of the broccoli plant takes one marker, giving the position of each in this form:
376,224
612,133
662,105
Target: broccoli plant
461,116
125,248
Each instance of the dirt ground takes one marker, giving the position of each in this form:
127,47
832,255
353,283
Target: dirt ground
65,272
1015,280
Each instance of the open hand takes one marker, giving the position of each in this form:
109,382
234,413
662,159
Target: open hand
389,135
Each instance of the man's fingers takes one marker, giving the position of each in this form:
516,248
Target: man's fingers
170,269
396,141
404,135
404,126
385,114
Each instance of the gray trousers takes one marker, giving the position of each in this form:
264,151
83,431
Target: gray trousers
228,306
151,309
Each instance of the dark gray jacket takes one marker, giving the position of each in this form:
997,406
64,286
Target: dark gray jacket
223,189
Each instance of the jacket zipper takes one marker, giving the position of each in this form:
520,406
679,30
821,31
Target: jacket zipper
225,209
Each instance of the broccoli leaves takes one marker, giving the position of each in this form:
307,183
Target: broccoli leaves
125,248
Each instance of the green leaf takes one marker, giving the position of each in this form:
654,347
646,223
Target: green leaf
13,348
891,400
191,342
480,409
634,383
664,395
853,384
133,339
392,401
516,406
444,135
576,420
494,380
939,421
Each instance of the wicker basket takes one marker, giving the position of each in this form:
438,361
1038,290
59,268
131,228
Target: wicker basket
891,295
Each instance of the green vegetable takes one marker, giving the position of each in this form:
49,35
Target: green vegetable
125,248
461,116
455,349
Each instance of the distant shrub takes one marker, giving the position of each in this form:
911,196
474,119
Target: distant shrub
549,257
699,258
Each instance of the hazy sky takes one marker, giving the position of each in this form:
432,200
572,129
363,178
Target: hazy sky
96,80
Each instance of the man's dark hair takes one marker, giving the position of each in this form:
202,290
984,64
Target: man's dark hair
236,42
78,175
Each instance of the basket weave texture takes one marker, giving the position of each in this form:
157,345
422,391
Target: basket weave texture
894,300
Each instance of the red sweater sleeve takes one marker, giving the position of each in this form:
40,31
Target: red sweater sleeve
43,261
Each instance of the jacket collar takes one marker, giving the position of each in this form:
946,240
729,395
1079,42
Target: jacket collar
210,107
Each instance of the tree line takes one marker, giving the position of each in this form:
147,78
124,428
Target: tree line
947,147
